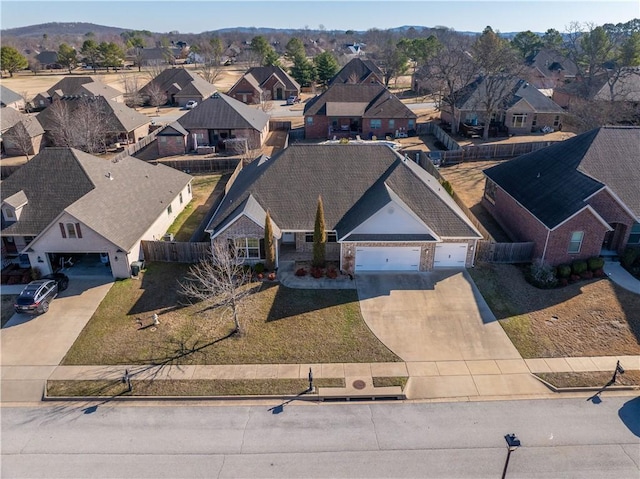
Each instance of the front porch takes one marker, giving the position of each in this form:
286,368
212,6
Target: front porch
288,252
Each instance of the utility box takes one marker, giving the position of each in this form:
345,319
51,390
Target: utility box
136,267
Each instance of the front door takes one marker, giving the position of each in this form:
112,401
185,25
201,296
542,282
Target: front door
279,95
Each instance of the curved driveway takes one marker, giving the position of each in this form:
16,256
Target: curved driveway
434,316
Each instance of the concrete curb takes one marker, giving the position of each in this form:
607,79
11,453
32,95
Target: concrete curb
586,389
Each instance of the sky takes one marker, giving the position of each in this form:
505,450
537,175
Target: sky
198,16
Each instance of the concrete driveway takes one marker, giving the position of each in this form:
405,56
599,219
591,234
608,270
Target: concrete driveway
32,346
435,316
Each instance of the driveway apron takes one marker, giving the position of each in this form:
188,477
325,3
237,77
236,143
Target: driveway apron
434,316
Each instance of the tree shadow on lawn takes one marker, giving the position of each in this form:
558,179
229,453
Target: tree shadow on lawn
290,302
160,285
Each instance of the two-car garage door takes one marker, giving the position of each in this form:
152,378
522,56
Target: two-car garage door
388,258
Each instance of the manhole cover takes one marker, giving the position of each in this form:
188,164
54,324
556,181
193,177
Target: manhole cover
359,384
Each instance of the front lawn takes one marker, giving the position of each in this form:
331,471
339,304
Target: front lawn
282,325
588,318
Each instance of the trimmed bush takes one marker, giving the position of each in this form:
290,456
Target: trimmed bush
595,263
578,267
259,268
301,272
541,275
599,273
317,272
563,271
574,278
586,274
332,273
629,256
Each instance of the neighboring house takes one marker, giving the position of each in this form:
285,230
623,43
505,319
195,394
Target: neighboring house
19,132
159,56
264,83
382,212
550,69
524,109
48,60
348,110
11,99
180,86
359,71
76,86
121,123
576,199
213,123
68,204
623,86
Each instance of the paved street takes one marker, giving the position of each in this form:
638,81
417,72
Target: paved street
560,438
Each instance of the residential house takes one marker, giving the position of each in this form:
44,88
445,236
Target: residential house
48,60
620,86
121,123
76,86
180,86
550,69
214,123
21,134
359,71
348,110
382,211
575,199
68,205
11,99
264,83
159,56
524,108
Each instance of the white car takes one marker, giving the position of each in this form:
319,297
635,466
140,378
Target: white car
191,104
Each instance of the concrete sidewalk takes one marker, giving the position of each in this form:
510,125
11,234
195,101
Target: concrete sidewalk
621,276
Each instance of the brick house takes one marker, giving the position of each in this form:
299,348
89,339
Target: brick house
264,83
213,123
180,86
11,99
613,86
550,69
359,71
382,212
348,110
76,86
524,108
20,133
575,199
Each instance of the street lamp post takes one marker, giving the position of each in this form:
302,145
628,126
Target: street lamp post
513,443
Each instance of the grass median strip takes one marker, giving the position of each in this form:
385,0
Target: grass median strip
593,379
192,387
384,382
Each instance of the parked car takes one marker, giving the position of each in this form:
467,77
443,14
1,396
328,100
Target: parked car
293,99
60,278
191,104
36,296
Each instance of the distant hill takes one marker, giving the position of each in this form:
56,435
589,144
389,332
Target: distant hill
55,28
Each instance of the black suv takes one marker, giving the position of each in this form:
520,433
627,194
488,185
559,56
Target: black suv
36,296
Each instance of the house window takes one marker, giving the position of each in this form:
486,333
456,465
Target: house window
556,121
8,213
71,230
332,237
534,122
309,121
189,187
392,124
576,241
181,197
334,123
169,210
308,237
376,124
519,120
490,191
163,139
634,236
248,247
412,124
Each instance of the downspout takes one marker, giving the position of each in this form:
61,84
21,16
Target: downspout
544,252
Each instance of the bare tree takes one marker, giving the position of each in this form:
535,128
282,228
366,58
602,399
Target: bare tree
79,123
28,100
210,71
156,95
154,70
263,101
222,281
61,128
132,96
18,137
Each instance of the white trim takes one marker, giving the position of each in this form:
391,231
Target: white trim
231,223
618,200
594,212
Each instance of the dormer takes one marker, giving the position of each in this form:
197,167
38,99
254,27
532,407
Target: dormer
12,206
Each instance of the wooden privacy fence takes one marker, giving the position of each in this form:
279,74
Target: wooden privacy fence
202,165
279,125
491,152
504,252
137,146
175,252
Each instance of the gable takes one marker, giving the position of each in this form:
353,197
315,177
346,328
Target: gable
392,218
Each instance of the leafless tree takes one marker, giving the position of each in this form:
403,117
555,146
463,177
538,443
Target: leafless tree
210,71
154,70
132,96
79,123
61,129
18,137
263,101
28,100
156,95
221,282
585,115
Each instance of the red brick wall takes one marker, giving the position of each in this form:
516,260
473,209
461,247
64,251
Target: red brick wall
319,129
612,212
401,123
594,232
243,86
171,145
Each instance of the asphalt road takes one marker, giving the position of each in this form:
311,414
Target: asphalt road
560,439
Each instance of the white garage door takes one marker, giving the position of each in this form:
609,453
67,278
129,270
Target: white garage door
388,259
450,254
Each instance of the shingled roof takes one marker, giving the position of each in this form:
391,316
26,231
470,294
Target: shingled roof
175,80
82,85
259,75
220,111
369,100
8,96
554,183
64,179
357,69
354,182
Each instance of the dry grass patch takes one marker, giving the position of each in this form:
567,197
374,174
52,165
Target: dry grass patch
590,318
594,379
281,325
383,382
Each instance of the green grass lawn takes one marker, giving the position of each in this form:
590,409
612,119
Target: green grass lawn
281,325
203,198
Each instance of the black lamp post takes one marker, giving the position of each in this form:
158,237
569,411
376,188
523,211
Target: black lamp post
513,443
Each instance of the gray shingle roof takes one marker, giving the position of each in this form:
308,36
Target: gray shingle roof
554,182
262,74
174,80
373,98
7,96
548,61
120,209
357,69
80,85
9,117
222,111
354,182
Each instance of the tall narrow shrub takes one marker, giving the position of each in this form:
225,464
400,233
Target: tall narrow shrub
319,237
269,245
